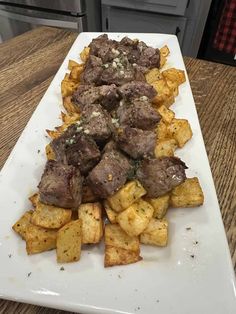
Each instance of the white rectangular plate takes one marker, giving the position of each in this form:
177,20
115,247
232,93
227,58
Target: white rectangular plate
168,280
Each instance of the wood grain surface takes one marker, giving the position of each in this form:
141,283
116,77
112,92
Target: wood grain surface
27,66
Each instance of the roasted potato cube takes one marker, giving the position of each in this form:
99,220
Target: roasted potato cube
168,101
69,240
162,131
160,205
69,106
92,225
166,147
173,86
153,75
111,214
164,52
167,115
135,218
180,130
174,75
72,64
87,195
187,194
126,196
67,87
34,199
75,72
163,91
120,248
21,225
39,239
84,54
49,152
53,134
116,256
156,233
50,217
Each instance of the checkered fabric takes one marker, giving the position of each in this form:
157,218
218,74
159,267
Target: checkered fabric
225,37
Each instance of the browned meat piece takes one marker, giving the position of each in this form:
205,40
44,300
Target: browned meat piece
161,175
139,114
105,95
60,185
110,174
77,149
96,122
139,53
118,72
92,72
111,145
136,142
104,48
133,90
149,57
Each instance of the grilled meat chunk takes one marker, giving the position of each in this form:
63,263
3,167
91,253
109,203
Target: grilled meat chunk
137,89
136,143
96,122
104,48
93,70
119,77
60,185
105,95
139,53
76,148
110,174
161,175
139,114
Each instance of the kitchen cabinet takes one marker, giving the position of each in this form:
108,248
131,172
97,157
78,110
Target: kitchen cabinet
183,18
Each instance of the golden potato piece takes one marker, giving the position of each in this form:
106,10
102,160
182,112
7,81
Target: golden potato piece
69,240
174,87
50,217
75,72
21,225
34,199
72,64
160,205
164,52
53,134
111,214
180,130
156,233
166,147
67,87
116,256
39,239
87,195
92,224
167,115
153,75
135,218
162,131
168,101
84,54
163,91
174,75
69,106
126,196
49,152
69,119
187,194
120,248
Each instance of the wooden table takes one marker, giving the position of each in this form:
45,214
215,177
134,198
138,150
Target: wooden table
27,66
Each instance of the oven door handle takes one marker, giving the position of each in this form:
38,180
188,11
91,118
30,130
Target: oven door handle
43,21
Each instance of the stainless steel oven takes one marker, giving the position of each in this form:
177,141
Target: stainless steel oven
19,16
